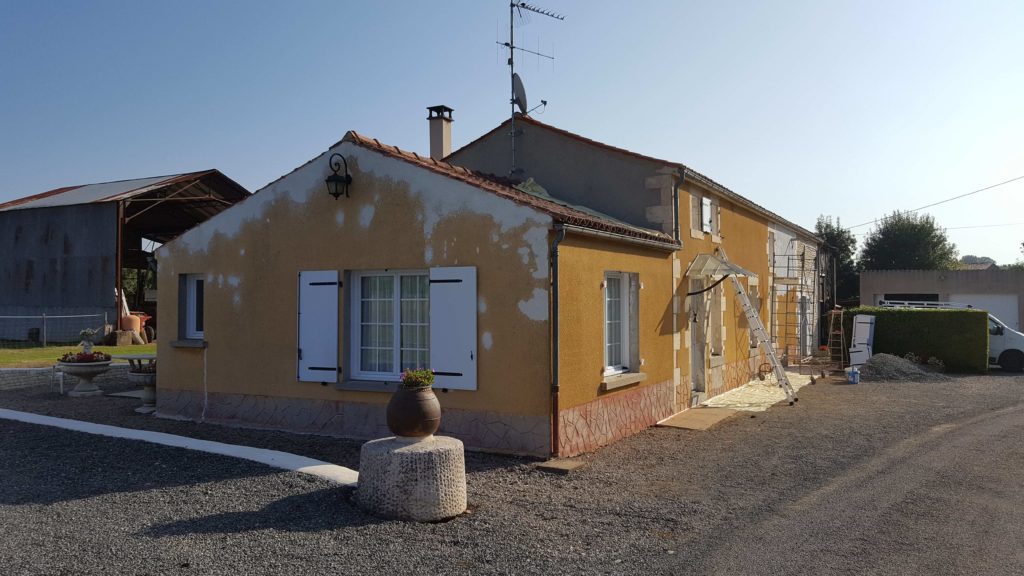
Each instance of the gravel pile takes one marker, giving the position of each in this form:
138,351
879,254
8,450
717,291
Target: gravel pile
884,367
665,501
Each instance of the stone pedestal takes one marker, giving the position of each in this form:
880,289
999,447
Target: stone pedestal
422,480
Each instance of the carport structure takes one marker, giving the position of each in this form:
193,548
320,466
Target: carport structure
72,250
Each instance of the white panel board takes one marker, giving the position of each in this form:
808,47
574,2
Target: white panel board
1003,306
318,326
453,327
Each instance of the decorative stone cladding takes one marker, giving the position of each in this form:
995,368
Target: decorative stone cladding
491,431
589,426
733,375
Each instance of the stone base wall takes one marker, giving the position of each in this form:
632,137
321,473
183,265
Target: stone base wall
14,378
735,374
490,431
589,426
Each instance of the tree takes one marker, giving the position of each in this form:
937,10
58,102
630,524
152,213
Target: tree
908,241
841,243
1019,264
972,259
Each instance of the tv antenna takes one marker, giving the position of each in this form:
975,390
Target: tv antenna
518,92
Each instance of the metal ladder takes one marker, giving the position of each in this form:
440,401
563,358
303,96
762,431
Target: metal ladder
836,337
754,321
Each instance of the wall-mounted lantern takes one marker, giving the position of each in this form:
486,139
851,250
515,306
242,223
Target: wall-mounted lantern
337,184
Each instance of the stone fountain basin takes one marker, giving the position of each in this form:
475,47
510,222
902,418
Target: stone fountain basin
85,368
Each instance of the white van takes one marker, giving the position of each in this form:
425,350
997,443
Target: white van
1005,345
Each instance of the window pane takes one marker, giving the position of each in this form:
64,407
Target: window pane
377,324
613,321
198,320
415,322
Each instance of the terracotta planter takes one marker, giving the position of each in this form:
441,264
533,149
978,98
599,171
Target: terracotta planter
414,412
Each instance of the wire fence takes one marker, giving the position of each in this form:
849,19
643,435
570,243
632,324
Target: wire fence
46,330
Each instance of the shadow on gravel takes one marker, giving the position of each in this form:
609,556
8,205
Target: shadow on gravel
44,465
327,509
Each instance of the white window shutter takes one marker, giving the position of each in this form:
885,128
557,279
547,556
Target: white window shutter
705,215
453,327
318,326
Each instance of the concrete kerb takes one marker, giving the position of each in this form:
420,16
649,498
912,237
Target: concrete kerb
283,460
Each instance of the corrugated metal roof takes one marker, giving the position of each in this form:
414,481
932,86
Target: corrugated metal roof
95,193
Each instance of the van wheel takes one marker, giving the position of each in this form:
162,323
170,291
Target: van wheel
1012,361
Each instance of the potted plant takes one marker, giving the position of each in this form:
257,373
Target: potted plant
414,411
85,366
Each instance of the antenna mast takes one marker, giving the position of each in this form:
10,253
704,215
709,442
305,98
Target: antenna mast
515,100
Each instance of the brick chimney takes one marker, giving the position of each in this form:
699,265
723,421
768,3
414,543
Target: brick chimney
440,119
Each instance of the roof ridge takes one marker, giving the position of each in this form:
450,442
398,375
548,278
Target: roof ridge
564,213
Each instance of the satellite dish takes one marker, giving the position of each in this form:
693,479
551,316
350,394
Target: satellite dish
519,93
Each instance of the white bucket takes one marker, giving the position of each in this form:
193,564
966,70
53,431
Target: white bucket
853,375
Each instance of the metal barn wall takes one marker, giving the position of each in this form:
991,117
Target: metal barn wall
57,261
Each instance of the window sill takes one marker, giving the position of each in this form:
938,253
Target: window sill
367,386
621,380
716,239
188,343
696,234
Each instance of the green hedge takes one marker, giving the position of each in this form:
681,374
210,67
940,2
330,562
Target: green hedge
957,337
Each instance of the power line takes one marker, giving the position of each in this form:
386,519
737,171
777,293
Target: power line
969,227
947,200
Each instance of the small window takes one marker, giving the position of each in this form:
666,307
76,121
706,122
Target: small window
194,297
620,323
755,302
390,324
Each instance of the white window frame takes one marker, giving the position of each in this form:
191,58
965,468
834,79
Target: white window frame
355,331
191,329
624,324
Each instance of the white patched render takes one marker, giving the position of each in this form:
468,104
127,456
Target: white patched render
536,308
537,238
481,304
297,187
339,217
487,340
366,215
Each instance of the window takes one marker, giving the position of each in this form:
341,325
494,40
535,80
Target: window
706,218
620,323
193,321
616,347
755,302
391,323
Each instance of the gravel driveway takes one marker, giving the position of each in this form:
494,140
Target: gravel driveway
878,478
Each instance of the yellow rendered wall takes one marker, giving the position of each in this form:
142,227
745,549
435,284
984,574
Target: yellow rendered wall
398,216
582,264
745,238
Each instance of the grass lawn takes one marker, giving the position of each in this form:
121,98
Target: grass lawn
44,357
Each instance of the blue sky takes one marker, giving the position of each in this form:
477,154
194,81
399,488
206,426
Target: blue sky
847,108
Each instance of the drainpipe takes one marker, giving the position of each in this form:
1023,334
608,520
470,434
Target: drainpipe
675,202
559,236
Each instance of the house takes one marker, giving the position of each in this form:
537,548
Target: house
68,252
706,216
999,291
551,305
